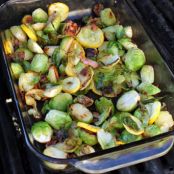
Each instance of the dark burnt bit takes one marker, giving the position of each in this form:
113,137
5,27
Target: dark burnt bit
61,135
107,90
84,71
90,52
95,116
98,8
53,141
84,100
20,55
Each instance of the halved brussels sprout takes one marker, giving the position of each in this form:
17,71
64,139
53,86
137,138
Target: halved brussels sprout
23,54
16,69
41,132
88,127
53,91
134,59
27,19
128,101
26,65
18,33
133,125
84,100
152,130
69,145
59,8
148,89
164,121
110,32
38,26
61,101
128,31
107,17
53,75
127,43
127,137
105,139
28,80
54,152
71,85
88,138
147,74
49,50
39,15
34,47
39,63
81,113
90,36
132,79
58,119
29,31
84,149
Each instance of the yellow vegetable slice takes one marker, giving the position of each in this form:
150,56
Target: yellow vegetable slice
71,85
120,142
60,8
91,36
69,70
88,127
29,31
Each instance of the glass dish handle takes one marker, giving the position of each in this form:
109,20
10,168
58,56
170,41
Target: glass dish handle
123,158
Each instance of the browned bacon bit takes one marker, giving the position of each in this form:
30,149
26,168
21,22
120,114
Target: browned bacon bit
97,9
71,28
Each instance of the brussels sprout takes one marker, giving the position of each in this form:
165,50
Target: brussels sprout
58,119
49,50
81,113
105,139
26,65
42,132
126,43
71,85
62,69
148,89
54,152
53,91
53,24
107,17
152,130
132,79
84,149
29,31
120,32
39,15
134,59
84,100
23,54
28,80
69,145
61,101
90,36
38,26
128,101
39,63
128,137
147,74
88,138
164,121
128,31
18,33
34,47
17,69
53,75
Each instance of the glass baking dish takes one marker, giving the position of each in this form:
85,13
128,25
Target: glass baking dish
114,158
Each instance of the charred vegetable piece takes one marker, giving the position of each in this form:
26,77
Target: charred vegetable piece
90,36
88,138
39,63
61,102
39,15
27,19
107,17
128,101
84,149
134,59
53,74
81,113
147,74
22,54
17,69
34,47
49,50
58,119
41,132
105,139
84,100
18,33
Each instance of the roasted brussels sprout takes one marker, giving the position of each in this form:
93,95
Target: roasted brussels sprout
18,33
39,15
134,59
147,74
23,54
34,47
53,74
16,69
52,91
84,149
58,119
84,100
152,130
41,132
128,31
39,63
127,44
107,17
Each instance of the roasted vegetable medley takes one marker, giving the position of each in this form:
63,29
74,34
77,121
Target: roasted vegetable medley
86,85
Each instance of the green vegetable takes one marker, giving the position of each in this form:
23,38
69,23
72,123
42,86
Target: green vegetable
26,65
152,130
34,46
18,33
61,102
107,17
39,63
17,69
39,15
134,59
84,149
128,31
23,54
147,74
41,132
127,43
58,119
